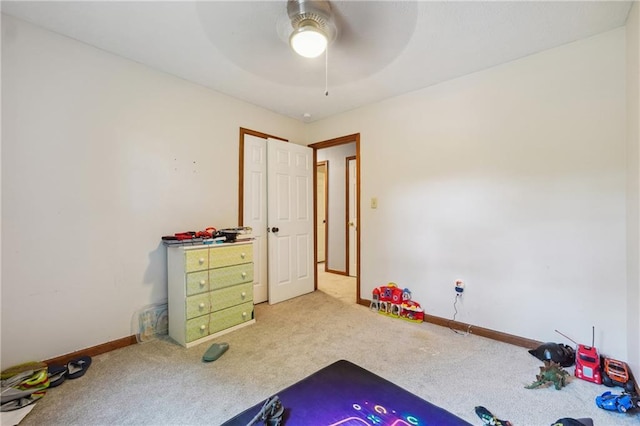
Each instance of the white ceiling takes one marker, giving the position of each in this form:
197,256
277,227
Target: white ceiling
383,48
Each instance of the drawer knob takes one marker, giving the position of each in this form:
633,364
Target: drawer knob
202,283
201,260
242,255
244,315
244,274
201,305
202,327
244,294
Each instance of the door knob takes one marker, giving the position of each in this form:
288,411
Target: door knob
275,229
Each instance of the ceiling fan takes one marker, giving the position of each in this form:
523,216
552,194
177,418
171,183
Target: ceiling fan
363,37
313,26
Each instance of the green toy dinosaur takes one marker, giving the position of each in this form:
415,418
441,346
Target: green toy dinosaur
551,372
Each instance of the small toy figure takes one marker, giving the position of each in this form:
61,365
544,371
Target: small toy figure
612,402
395,310
375,300
551,372
406,295
271,413
489,419
396,300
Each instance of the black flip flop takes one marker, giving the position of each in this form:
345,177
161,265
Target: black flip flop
78,366
57,374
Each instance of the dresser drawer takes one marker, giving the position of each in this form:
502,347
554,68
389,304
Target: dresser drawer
231,296
197,328
197,282
229,317
196,260
197,305
232,255
231,275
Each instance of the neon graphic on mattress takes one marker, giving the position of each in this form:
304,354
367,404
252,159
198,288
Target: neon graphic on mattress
375,414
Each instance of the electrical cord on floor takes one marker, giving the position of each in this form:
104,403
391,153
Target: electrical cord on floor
455,301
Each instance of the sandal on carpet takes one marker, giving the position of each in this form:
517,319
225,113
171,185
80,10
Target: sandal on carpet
27,367
11,394
57,374
215,351
78,366
39,380
16,404
17,379
24,384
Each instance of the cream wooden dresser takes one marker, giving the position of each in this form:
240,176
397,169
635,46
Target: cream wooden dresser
210,290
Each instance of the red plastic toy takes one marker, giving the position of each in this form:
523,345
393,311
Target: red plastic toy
588,364
391,300
587,361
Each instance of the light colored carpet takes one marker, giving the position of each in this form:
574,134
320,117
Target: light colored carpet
162,383
339,286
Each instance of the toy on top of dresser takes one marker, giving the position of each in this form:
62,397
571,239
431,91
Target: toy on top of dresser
189,237
235,234
209,235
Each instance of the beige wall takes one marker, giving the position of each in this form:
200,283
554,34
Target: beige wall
511,179
633,185
100,158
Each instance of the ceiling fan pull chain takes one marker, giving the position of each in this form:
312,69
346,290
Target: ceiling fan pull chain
326,71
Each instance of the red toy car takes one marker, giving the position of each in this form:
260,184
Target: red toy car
588,364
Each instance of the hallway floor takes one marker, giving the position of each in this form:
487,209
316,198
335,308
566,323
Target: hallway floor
335,285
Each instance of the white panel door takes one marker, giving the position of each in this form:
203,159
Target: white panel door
255,209
290,170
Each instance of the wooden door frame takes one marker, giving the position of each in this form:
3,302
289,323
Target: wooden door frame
343,140
324,163
347,204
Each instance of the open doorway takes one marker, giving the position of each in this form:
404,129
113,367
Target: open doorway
321,210
339,273
321,275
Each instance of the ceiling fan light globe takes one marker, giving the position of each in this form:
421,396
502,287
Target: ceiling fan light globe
308,41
